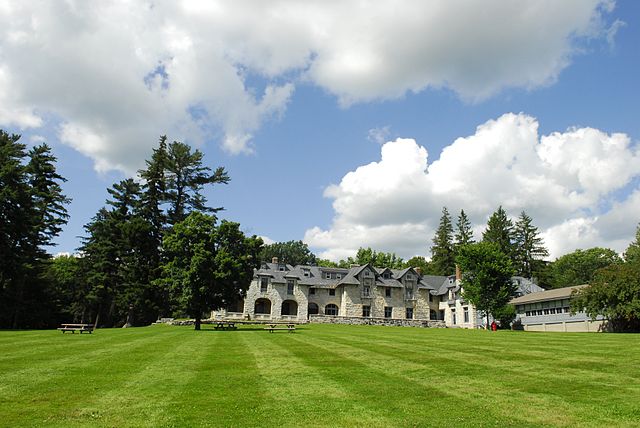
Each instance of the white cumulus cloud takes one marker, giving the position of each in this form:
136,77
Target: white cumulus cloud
569,182
111,76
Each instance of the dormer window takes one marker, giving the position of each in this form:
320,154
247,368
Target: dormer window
386,275
327,275
367,273
409,277
306,272
281,268
338,276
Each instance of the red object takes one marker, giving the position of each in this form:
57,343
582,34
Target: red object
494,326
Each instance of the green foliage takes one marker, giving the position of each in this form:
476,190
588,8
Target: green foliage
613,293
505,315
486,278
632,254
442,252
426,268
529,249
464,233
377,259
208,266
500,231
291,252
326,263
579,267
32,212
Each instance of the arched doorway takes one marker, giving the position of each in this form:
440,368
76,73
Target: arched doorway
263,306
331,309
289,307
313,308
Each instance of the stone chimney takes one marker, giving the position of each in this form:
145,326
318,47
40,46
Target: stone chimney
274,260
418,270
458,273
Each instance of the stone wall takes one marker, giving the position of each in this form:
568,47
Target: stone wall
324,319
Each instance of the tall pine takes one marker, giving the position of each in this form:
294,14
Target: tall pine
500,231
529,249
464,233
442,251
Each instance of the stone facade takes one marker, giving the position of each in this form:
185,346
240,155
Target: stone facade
283,292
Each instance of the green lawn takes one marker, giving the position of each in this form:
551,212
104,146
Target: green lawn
321,375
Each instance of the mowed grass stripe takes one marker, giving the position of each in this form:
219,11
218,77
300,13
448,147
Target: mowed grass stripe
45,393
294,385
528,389
225,391
162,380
422,393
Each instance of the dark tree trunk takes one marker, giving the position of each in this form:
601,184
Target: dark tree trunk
197,323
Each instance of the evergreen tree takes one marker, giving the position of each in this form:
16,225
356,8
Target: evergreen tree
442,251
32,213
500,231
464,233
632,254
185,177
529,247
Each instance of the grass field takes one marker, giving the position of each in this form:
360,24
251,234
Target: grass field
321,375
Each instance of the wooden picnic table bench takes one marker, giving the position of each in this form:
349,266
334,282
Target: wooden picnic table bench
82,328
290,327
225,325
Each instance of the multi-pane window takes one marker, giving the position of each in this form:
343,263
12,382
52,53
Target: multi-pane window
366,311
331,309
466,314
312,290
453,315
289,286
264,282
387,292
388,311
332,292
409,313
366,291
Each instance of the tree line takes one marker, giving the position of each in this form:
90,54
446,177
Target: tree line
155,249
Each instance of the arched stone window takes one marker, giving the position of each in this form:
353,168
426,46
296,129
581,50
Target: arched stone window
289,307
313,308
331,309
263,306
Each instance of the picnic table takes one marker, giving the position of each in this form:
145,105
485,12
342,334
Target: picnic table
82,328
225,325
271,327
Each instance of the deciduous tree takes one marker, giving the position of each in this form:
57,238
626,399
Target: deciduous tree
486,277
208,265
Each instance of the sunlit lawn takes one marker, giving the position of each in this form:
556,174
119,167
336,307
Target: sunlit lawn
321,375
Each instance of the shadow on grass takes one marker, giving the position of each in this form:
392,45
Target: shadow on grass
245,329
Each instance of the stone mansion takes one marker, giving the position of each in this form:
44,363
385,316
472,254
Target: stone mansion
300,293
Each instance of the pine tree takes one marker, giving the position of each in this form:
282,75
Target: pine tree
529,247
32,212
185,178
442,251
464,234
500,231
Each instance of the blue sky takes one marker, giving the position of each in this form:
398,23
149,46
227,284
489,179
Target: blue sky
344,124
